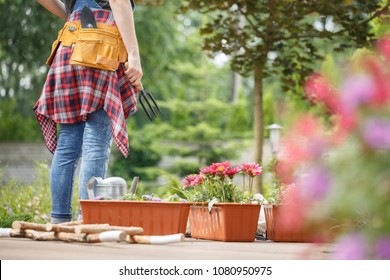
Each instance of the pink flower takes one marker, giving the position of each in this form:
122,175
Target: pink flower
219,168
307,140
192,180
376,133
316,182
231,171
294,215
350,247
357,90
319,90
381,93
384,46
251,168
383,248
205,170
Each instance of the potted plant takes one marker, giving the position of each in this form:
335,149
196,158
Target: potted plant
285,218
344,163
222,210
155,215
294,212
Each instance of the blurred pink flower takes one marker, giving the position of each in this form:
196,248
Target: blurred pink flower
357,90
383,46
305,141
315,182
192,180
383,248
319,90
284,172
350,247
285,196
294,216
376,133
356,120
346,121
380,77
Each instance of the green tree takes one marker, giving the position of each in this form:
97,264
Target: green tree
176,71
26,34
281,37
191,91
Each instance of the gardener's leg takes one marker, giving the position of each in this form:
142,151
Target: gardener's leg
63,171
96,149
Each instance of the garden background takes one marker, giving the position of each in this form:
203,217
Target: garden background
221,71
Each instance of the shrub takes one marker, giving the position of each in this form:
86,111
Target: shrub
29,202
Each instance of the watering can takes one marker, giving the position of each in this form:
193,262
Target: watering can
112,187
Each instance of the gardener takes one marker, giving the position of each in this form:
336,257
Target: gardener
90,90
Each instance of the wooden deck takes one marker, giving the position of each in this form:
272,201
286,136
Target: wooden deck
47,260
189,249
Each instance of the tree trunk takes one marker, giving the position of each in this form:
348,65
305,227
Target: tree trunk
236,86
258,125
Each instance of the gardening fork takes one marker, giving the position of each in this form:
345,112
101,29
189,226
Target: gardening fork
145,96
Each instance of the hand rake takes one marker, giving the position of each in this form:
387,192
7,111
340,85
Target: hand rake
147,97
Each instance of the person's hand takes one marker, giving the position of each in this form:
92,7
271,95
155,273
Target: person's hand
134,71
124,19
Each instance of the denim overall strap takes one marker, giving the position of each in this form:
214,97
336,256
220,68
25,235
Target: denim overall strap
79,5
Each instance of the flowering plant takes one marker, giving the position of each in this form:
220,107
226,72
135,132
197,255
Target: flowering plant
342,165
216,183
280,194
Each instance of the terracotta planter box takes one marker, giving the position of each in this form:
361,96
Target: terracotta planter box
318,231
324,230
155,217
277,230
225,222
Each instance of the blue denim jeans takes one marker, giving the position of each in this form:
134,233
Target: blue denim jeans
91,141
79,5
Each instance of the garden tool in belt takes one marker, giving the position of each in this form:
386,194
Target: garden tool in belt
87,18
96,45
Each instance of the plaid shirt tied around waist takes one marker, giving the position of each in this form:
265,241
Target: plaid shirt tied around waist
71,92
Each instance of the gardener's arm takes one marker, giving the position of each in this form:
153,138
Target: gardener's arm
124,19
54,6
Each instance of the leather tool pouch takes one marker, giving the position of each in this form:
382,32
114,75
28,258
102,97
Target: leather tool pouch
100,47
96,48
54,48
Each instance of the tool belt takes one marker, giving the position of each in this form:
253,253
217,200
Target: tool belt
101,47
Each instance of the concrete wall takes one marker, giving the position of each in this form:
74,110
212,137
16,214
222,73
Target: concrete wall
18,160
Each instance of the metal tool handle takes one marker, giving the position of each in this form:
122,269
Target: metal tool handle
91,184
133,187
